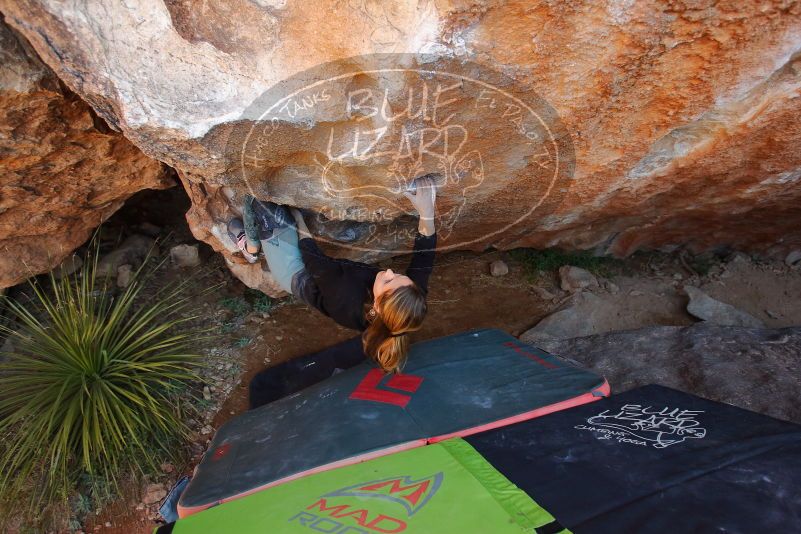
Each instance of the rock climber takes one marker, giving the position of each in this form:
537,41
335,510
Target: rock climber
383,305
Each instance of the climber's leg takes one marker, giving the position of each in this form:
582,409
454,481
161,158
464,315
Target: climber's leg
236,230
283,256
251,223
262,218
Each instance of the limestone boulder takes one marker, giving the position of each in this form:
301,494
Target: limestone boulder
63,170
714,311
612,126
572,278
753,368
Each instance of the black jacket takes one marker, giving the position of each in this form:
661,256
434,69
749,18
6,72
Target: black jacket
342,287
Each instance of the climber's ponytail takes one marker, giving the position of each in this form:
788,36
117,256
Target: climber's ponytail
386,339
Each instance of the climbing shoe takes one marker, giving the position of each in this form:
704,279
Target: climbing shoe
270,216
236,230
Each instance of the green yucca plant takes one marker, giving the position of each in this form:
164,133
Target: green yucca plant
91,387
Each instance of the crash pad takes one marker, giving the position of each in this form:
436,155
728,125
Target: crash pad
443,488
655,460
451,386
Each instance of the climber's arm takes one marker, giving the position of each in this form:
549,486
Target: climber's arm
425,243
424,200
422,260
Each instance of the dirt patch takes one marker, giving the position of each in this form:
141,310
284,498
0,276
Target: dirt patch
770,291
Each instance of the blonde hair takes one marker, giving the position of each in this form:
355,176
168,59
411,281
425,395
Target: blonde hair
386,339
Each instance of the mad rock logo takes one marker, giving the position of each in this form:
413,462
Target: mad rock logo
348,511
346,139
644,425
412,495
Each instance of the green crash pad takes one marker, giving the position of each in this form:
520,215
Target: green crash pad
443,488
451,386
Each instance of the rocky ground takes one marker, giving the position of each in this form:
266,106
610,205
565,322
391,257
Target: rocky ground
552,308
655,289
754,368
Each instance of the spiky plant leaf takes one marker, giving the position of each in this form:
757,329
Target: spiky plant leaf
91,386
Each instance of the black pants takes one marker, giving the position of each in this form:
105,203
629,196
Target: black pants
303,286
292,376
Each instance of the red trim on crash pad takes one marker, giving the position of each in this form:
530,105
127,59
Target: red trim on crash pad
186,511
596,394
530,355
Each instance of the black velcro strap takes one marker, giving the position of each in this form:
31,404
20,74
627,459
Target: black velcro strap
551,528
165,529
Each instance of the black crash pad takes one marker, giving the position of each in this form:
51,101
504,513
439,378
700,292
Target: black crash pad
655,460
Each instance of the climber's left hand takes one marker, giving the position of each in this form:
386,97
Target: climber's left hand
424,201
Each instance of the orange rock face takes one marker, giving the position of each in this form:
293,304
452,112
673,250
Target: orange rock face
63,172
611,126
